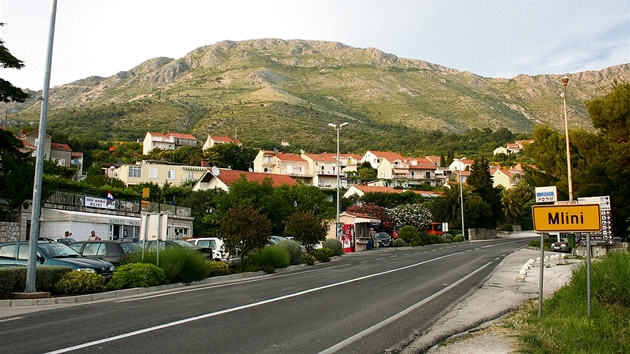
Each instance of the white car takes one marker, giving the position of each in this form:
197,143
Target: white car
219,252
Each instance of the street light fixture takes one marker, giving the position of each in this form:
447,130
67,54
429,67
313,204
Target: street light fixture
338,179
565,81
111,174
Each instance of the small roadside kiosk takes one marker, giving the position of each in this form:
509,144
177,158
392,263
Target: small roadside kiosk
358,231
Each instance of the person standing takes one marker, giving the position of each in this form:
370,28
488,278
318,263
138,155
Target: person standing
68,233
93,236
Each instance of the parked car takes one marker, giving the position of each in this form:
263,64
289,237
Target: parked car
275,239
384,240
218,247
50,253
561,246
151,246
107,250
64,240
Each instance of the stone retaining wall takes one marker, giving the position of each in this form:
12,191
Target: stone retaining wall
482,234
9,231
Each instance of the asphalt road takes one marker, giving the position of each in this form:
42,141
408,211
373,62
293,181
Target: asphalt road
362,303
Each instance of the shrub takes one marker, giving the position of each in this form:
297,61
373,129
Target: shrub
133,275
179,264
218,268
79,283
308,259
293,249
277,257
425,238
335,245
448,238
458,238
399,243
45,278
410,235
322,254
433,239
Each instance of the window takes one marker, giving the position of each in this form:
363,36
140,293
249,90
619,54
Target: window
23,252
153,173
181,232
170,174
191,176
135,171
61,162
289,169
7,251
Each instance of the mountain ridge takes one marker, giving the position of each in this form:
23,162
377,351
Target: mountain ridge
274,89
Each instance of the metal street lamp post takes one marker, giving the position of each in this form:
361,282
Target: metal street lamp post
565,81
461,200
338,178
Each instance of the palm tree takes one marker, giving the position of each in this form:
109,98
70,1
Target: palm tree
447,207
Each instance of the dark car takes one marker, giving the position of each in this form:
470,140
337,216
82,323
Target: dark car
107,250
561,246
52,254
384,240
151,246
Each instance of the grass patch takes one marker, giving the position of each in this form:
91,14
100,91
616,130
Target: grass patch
565,326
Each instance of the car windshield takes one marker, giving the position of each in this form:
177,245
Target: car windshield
382,235
57,250
130,247
183,243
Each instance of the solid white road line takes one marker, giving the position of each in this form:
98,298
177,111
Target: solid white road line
238,308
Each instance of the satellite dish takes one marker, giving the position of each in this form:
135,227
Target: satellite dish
302,151
250,170
215,171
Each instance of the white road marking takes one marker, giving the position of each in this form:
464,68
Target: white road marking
387,321
11,319
238,308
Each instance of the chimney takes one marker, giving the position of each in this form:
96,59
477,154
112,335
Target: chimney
204,163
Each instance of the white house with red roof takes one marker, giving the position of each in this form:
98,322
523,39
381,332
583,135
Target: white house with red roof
61,154
167,141
283,163
213,140
462,164
223,178
395,170
505,177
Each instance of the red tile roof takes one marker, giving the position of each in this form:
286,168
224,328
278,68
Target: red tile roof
174,135
225,139
230,176
389,156
59,146
284,156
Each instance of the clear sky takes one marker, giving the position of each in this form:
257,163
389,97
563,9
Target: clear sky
492,38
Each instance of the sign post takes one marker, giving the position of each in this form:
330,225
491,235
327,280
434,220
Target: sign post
567,218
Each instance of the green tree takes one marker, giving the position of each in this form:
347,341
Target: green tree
231,155
187,155
611,115
203,206
447,207
307,228
8,92
514,199
245,229
481,180
16,173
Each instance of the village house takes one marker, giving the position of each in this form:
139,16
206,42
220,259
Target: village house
167,141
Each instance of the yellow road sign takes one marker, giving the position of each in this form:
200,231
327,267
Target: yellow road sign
145,192
567,218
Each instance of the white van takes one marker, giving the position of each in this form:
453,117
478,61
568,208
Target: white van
219,252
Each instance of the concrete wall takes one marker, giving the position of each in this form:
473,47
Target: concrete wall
601,251
482,234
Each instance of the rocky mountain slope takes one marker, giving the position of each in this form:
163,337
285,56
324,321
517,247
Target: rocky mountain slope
268,90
